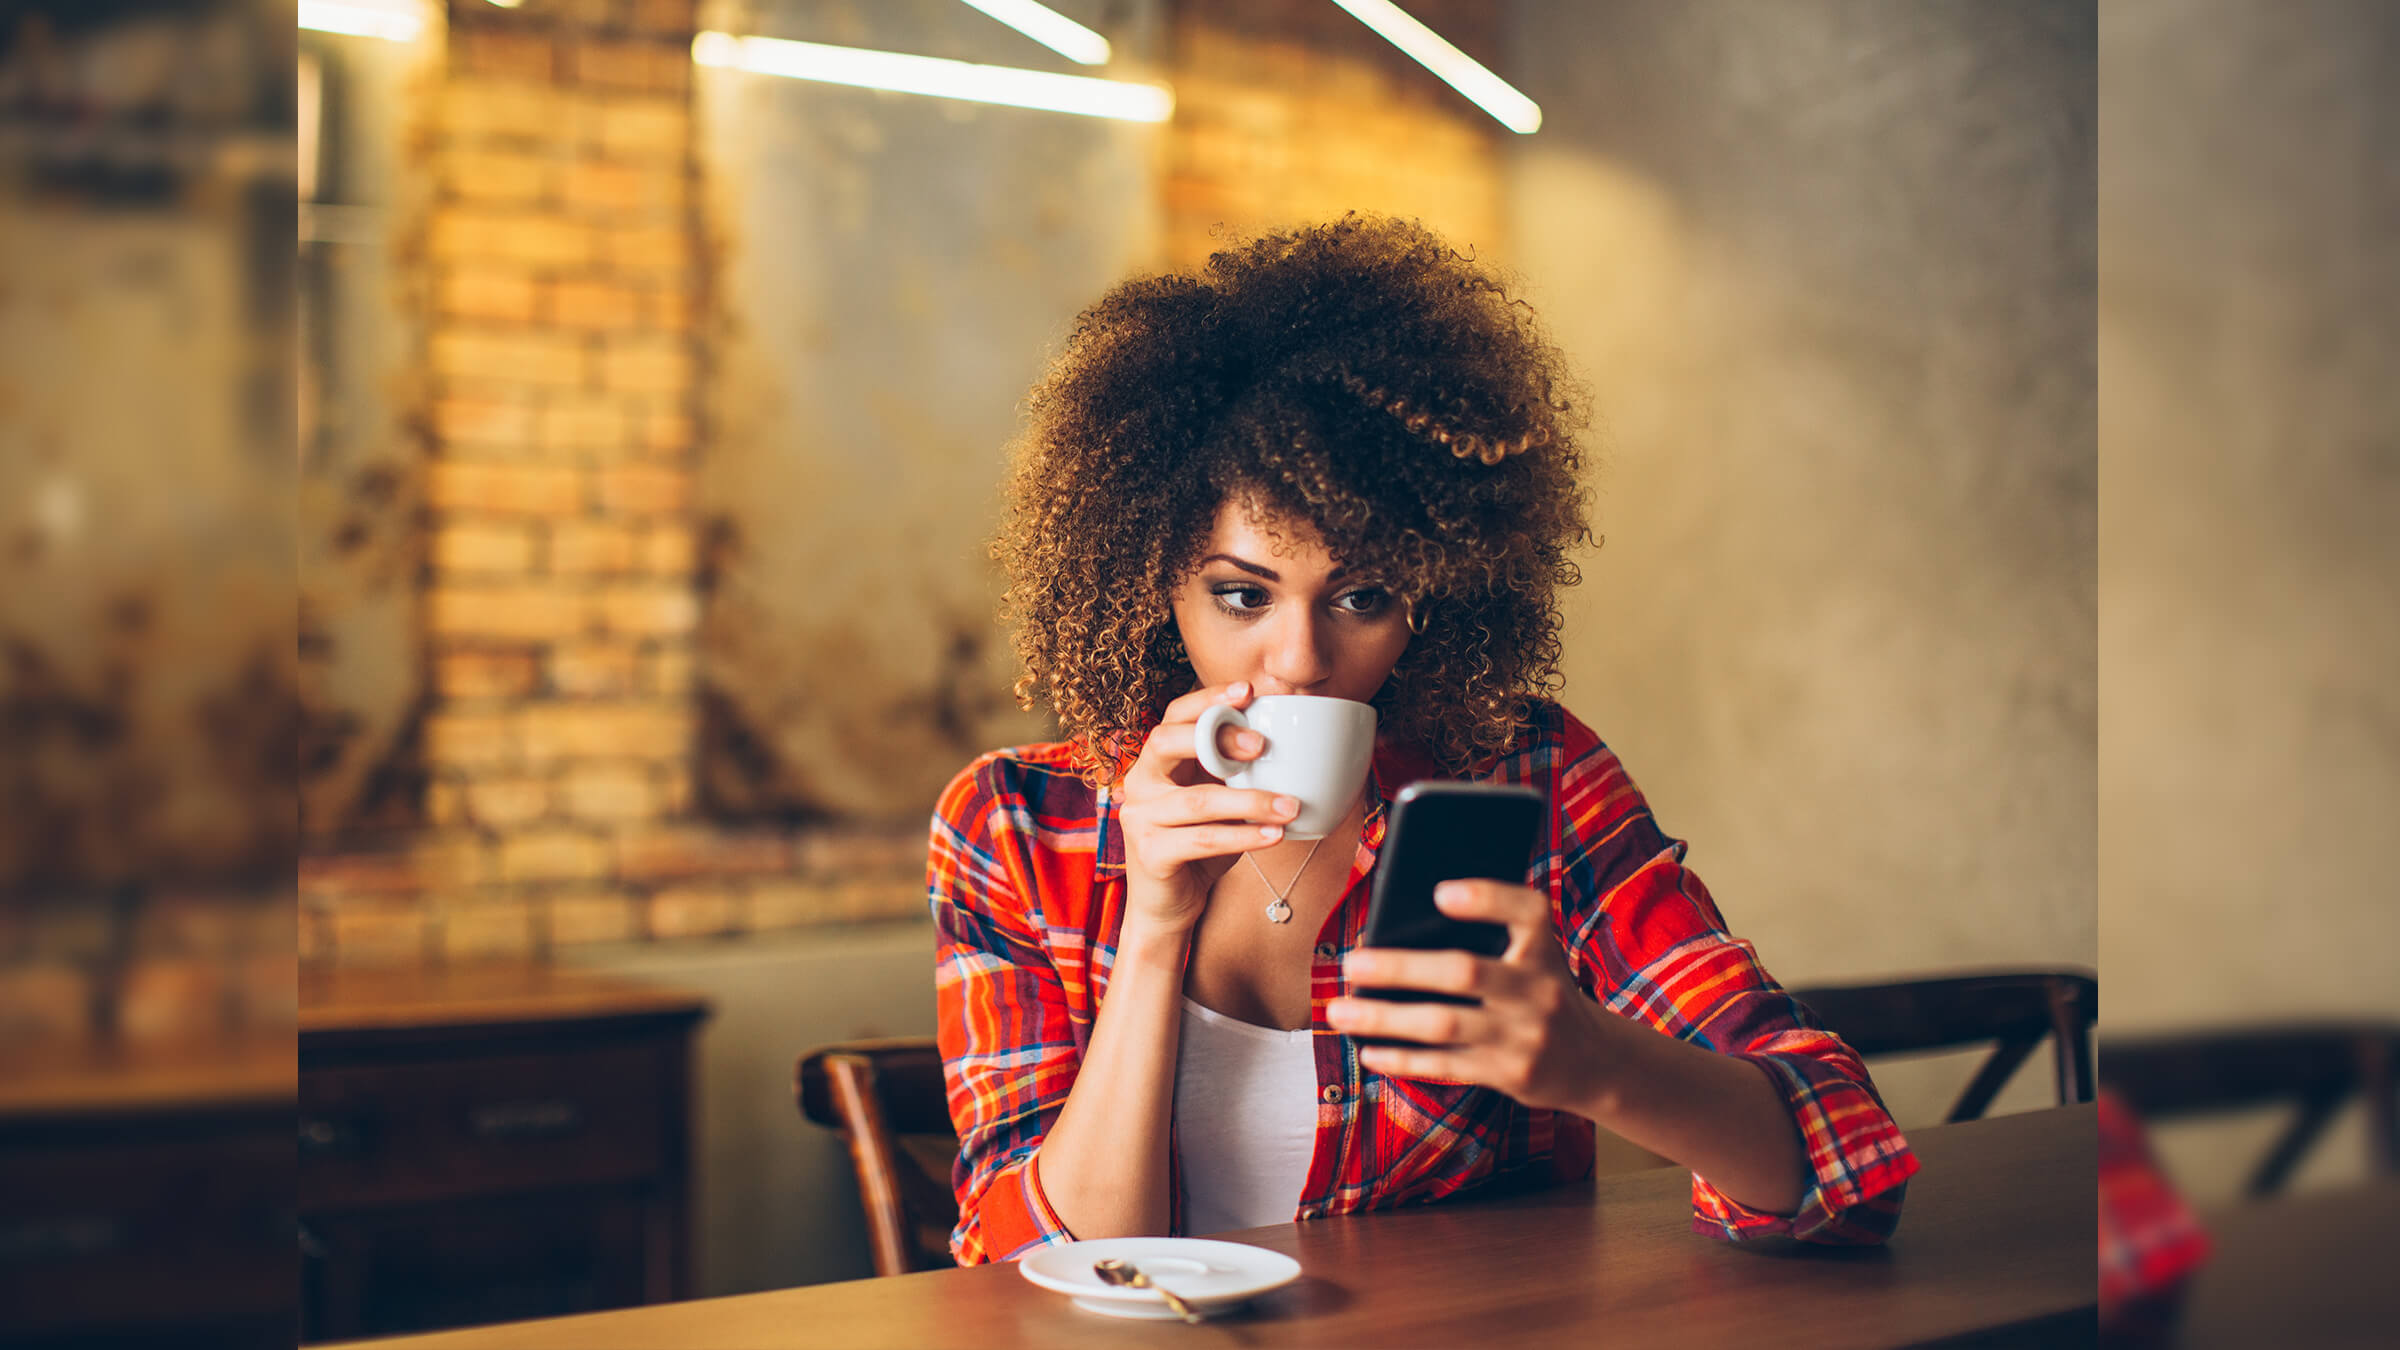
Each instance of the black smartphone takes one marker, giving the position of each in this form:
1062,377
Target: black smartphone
1445,831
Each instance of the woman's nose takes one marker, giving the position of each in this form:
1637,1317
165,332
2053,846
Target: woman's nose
1296,659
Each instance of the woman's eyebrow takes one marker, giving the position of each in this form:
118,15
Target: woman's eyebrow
1266,572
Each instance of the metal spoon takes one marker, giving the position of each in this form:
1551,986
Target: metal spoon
1113,1271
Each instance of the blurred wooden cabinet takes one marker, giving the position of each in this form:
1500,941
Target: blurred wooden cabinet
485,1145
146,1196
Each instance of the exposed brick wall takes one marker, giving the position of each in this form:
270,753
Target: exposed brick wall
562,264
561,256
146,967
148,668
561,273
1290,113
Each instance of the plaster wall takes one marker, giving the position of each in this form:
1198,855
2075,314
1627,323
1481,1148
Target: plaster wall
2250,748
891,273
775,1198
1829,270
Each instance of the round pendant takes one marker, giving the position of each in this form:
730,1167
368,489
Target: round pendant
1279,912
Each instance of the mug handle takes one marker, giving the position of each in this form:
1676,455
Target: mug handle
1204,739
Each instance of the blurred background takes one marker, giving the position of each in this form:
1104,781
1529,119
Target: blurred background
148,674
2250,434
568,548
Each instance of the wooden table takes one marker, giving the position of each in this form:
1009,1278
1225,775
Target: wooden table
1996,1248
2313,1270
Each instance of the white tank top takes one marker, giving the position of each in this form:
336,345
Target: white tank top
1245,1120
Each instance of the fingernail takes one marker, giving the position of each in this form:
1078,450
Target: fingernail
1250,740
1450,893
1289,806
1238,689
1355,965
1270,831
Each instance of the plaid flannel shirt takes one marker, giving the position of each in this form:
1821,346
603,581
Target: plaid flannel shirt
2149,1238
1026,881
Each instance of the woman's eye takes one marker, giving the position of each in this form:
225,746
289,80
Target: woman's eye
1365,600
1243,598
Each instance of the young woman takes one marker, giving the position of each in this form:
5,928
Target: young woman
1337,461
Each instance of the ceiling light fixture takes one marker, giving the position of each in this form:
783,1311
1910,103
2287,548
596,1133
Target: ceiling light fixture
391,20
864,69
1050,28
1457,69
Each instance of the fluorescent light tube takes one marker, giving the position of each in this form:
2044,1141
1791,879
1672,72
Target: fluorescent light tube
1079,94
391,20
1050,28
1457,69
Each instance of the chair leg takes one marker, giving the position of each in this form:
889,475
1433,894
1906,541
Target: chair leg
852,1079
2375,1084
2273,1170
1992,1077
2071,1047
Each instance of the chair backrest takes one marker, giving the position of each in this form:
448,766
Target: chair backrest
2015,1009
887,1099
2317,1067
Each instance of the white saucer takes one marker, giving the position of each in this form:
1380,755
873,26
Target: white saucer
1212,1276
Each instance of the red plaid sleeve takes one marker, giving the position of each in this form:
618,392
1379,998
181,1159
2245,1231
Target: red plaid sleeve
2149,1238
1648,943
1008,1053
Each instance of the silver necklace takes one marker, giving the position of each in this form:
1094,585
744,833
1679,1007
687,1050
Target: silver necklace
1280,909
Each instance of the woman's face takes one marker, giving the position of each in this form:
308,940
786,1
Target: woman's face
1290,622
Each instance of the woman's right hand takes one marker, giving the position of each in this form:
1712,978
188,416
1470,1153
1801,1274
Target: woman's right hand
1182,827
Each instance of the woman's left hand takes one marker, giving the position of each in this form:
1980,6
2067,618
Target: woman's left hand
1536,1037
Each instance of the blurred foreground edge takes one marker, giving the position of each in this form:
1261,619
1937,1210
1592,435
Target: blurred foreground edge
147,825
146,1196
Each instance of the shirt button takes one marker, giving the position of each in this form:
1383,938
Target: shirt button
1331,1094
1324,951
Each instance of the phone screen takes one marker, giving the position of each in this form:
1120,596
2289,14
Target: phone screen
1442,832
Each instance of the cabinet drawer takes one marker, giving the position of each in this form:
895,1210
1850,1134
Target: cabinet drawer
411,1131
195,1215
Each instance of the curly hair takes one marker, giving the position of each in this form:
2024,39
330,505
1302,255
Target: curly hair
1358,376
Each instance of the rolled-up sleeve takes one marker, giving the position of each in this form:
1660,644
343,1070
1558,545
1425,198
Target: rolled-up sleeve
1008,1054
1646,940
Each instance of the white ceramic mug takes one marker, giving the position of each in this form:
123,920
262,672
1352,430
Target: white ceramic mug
1317,750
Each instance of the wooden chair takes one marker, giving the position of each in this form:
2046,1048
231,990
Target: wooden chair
2016,1009
887,1099
2317,1067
